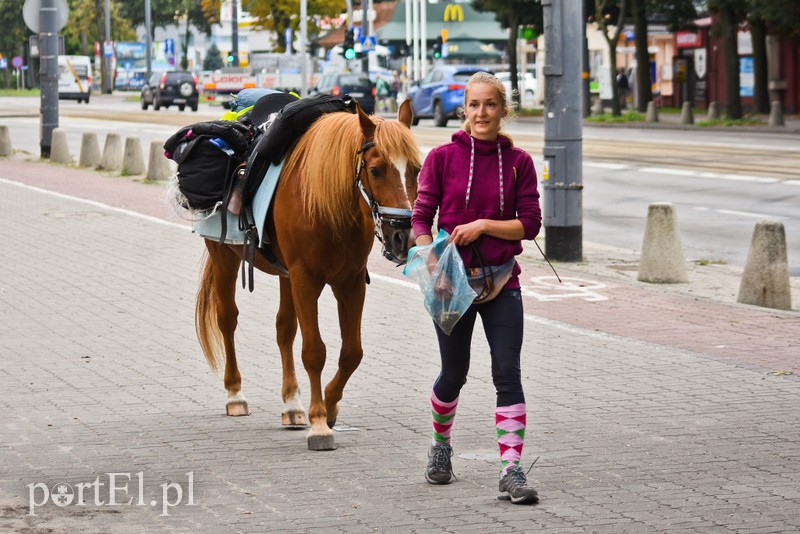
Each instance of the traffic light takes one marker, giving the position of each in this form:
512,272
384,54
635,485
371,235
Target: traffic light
437,47
348,49
230,58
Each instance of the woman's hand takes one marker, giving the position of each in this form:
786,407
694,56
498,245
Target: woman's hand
464,234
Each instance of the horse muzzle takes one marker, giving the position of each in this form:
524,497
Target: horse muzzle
397,238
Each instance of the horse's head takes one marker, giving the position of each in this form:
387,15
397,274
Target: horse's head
388,178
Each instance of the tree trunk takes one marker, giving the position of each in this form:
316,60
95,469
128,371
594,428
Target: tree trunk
730,26
758,34
99,11
644,91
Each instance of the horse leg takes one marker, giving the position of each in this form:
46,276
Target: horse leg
305,294
350,302
225,272
294,415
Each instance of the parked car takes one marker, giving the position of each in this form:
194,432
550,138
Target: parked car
356,84
528,88
440,93
171,88
74,78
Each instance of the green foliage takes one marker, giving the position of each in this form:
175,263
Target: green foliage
15,33
277,15
629,116
213,59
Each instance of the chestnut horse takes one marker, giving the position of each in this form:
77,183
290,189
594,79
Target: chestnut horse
350,178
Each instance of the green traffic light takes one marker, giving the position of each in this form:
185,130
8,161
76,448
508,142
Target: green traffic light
349,53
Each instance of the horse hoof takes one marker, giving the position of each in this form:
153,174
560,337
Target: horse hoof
322,443
294,420
237,408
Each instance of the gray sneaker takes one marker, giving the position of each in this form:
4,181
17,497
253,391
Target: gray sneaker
514,487
439,470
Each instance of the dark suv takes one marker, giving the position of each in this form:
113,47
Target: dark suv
355,84
173,88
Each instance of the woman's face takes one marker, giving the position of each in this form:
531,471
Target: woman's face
484,110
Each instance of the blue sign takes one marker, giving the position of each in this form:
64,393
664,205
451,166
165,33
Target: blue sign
746,77
169,47
357,33
369,43
287,35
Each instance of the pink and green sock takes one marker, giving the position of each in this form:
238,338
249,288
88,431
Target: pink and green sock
443,414
510,422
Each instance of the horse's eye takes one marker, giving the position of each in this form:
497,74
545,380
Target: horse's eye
375,172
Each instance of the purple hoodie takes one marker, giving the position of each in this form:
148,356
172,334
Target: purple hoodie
443,186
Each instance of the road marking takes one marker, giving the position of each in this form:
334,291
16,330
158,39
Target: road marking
740,213
548,289
690,173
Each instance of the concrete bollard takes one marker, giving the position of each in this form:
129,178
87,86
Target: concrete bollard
5,143
652,112
687,116
90,150
158,167
597,108
776,114
713,111
112,153
59,149
132,159
765,280
662,254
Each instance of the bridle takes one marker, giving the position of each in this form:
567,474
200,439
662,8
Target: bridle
394,217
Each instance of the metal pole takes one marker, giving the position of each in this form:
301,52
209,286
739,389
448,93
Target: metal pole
303,41
409,60
235,33
148,47
563,148
587,95
423,37
48,74
415,38
107,85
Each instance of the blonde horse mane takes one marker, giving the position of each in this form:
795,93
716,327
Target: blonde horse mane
324,161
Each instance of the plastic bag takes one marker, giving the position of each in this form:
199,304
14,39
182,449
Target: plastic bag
442,278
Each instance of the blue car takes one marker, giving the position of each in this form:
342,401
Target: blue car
440,94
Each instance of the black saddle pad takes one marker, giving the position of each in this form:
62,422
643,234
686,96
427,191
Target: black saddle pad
269,104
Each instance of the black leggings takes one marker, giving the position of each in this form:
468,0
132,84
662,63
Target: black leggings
502,319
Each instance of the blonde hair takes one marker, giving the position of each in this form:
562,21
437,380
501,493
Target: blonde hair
487,78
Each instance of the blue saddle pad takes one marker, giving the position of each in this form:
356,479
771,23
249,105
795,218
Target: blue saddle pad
211,226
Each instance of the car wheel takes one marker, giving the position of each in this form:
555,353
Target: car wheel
414,119
186,89
156,103
181,107
194,107
144,104
439,118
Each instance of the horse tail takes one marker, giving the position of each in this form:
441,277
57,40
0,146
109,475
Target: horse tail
205,316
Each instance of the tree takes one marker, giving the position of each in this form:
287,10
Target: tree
731,13
512,14
278,15
213,59
610,14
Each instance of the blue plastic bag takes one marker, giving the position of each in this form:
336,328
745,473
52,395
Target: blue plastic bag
442,278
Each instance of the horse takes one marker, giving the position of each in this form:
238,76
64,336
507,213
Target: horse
350,178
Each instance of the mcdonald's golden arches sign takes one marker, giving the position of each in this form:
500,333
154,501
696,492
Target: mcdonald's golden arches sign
453,12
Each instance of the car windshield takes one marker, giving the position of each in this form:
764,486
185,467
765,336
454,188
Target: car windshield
354,80
462,76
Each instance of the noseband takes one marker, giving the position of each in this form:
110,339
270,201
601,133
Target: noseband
394,217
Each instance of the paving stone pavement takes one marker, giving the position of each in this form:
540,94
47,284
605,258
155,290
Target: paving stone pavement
650,409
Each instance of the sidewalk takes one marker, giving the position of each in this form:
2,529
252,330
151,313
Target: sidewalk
663,408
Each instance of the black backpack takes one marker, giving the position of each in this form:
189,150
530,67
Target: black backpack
207,153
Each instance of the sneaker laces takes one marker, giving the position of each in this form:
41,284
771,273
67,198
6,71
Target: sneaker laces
441,458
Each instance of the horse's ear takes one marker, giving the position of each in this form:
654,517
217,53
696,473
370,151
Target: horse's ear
367,126
405,114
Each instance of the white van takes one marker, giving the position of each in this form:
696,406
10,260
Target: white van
74,78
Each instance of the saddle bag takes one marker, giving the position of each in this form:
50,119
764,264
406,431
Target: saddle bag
207,153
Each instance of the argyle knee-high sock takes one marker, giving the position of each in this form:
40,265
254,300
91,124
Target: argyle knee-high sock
510,422
443,414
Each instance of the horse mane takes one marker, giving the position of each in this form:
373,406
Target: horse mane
324,161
